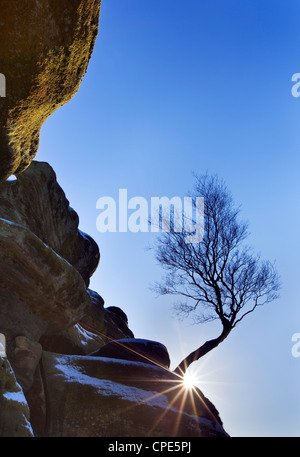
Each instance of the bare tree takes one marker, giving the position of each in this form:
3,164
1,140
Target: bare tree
219,277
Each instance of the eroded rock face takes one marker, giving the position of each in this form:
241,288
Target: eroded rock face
24,360
46,263
136,350
40,292
14,411
45,49
75,340
97,327
36,201
116,324
93,319
92,397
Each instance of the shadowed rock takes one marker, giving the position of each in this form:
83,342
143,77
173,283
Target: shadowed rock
24,360
39,291
116,324
137,350
109,323
99,397
14,411
45,49
36,201
98,326
75,340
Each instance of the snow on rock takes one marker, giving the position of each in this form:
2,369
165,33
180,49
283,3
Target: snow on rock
109,388
14,419
95,396
137,350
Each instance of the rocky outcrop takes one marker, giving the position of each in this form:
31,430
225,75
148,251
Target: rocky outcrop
14,410
136,350
25,359
52,324
121,399
97,326
37,202
75,340
116,324
37,285
45,50
73,366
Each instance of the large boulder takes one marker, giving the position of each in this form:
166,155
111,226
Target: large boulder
108,323
25,359
100,397
116,324
75,340
97,326
40,292
45,50
36,201
136,350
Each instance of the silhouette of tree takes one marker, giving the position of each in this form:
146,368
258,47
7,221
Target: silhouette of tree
219,277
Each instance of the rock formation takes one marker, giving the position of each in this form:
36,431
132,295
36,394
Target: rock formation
136,350
14,411
36,201
70,355
72,366
121,399
45,49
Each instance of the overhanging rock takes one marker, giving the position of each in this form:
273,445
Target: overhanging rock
45,50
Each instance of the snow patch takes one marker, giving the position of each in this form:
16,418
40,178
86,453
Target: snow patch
15,396
28,425
109,388
85,335
19,398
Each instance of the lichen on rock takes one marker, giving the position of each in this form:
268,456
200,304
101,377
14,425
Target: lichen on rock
45,50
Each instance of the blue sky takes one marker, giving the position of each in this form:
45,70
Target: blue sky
173,88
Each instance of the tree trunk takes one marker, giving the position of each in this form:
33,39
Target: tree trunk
201,351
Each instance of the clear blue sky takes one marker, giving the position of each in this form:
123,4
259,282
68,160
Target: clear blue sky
175,87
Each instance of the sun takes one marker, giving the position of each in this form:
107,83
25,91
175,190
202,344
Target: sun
189,380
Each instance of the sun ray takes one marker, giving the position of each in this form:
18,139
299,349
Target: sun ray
181,409
143,356
160,418
183,385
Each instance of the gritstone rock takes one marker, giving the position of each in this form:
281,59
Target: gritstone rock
37,202
45,50
93,397
14,411
138,350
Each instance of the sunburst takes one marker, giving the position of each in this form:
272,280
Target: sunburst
180,389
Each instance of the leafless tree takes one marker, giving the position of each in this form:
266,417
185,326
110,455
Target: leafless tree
219,277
